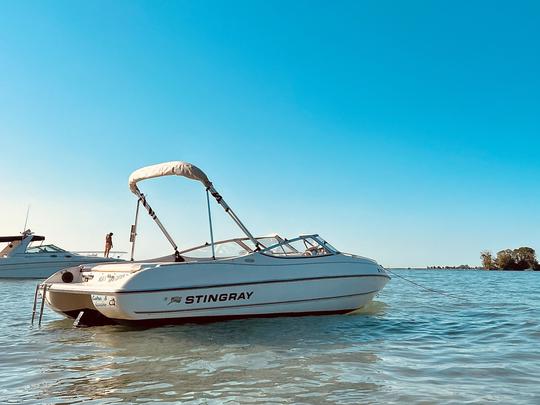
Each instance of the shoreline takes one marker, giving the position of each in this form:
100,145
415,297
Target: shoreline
462,269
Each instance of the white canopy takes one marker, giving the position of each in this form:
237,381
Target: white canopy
178,169
168,169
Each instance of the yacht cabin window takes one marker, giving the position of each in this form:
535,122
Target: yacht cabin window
44,249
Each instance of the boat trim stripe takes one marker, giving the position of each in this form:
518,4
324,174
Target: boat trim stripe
255,305
234,262
247,283
76,262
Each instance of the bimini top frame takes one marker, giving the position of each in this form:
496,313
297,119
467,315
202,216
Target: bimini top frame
184,169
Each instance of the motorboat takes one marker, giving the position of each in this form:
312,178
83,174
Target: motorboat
21,257
236,278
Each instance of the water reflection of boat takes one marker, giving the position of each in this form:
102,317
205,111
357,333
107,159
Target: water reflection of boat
21,259
235,278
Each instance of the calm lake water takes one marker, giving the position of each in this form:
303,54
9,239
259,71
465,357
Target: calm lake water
409,346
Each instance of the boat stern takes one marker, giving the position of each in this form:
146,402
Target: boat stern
86,293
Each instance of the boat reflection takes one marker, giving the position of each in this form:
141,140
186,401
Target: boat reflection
301,358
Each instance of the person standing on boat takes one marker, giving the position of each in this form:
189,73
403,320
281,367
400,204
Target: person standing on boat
108,244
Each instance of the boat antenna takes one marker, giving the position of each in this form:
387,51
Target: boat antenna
26,220
210,223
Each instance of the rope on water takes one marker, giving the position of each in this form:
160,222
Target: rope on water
457,297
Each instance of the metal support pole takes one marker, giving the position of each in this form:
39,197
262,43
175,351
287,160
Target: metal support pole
35,303
210,223
159,224
229,211
242,227
133,234
43,298
210,189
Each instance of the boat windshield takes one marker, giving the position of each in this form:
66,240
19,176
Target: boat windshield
44,249
222,249
306,246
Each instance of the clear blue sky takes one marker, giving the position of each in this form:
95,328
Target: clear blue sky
404,131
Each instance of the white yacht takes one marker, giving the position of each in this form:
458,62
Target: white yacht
20,259
237,278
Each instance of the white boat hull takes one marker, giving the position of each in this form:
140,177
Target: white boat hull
205,292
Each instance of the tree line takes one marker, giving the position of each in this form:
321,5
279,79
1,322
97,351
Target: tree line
522,258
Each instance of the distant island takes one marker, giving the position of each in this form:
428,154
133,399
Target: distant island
523,258
460,267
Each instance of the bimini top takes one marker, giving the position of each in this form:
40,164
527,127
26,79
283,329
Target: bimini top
168,169
189,171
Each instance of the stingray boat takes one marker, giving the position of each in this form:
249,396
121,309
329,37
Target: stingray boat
236,278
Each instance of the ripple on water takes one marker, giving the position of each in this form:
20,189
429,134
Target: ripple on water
408,346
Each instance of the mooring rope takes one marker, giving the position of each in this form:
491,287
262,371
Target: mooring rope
427,288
